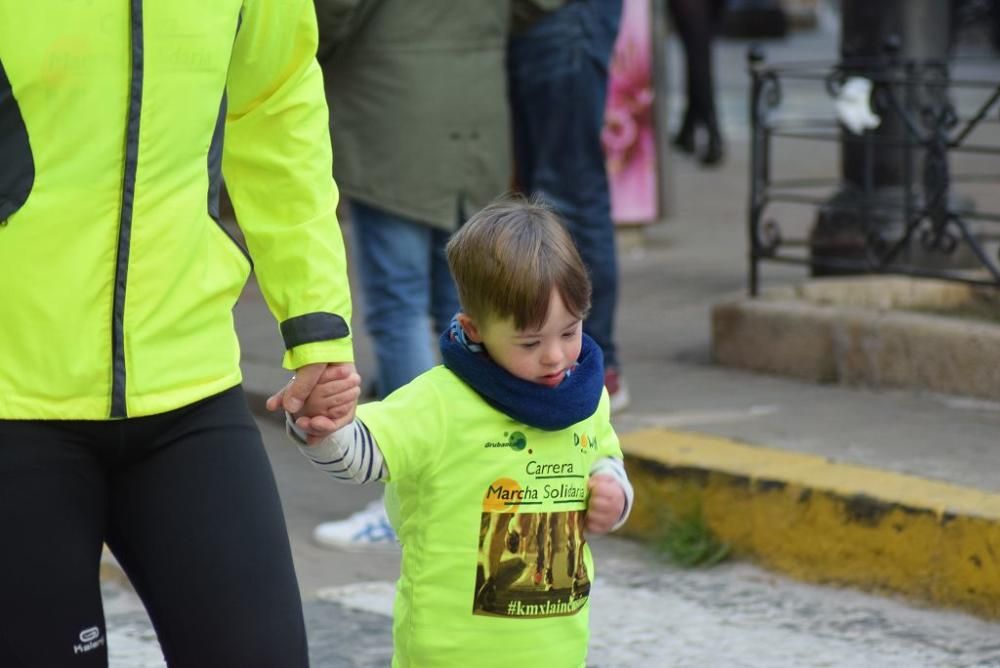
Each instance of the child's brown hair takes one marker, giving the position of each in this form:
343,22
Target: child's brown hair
507,258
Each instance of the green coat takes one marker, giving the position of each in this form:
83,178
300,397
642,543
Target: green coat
418,103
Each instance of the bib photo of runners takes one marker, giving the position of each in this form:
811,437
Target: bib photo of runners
531,564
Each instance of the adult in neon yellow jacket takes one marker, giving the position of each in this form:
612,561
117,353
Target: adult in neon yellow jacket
121,416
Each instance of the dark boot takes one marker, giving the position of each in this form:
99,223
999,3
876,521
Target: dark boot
714,150
684,139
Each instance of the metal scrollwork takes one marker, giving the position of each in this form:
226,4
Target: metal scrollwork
900,199
768,238
940,120
877,249
938,236
768,96
936,187
835,81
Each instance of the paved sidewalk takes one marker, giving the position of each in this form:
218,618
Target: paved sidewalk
648,614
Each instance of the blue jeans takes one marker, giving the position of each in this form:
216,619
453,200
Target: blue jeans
558,84
407,288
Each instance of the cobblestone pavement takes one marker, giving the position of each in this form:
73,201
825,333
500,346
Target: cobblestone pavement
646,614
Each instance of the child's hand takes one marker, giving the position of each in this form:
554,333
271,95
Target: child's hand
331,403
607,502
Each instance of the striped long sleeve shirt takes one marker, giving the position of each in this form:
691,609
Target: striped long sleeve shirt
352,455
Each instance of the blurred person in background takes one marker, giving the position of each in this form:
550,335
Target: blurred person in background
697,23
558,68
421,139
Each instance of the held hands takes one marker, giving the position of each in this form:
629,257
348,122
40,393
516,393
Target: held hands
606,504
321,398
331,404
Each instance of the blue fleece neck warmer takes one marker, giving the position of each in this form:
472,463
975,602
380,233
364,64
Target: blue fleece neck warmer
548,408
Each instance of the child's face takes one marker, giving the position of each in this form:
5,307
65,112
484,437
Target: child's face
540,356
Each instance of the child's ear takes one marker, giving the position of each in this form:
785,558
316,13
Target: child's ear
469,327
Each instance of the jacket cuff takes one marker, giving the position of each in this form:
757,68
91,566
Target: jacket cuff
312,327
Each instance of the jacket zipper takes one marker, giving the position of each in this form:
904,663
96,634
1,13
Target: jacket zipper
119,408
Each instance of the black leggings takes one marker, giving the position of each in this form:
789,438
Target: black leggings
188,505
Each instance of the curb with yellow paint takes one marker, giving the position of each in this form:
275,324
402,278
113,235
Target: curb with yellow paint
823,521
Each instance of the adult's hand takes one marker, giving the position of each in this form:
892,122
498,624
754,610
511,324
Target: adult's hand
331,404
294,396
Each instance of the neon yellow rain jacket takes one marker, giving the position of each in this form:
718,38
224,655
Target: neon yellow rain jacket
118,281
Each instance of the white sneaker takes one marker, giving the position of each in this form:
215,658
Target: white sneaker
367,530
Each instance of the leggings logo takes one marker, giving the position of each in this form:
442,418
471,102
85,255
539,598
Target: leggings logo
90,639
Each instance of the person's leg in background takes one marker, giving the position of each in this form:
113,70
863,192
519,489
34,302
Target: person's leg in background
444,294
53,509
697,22
196,523
394,257
558,88
406,286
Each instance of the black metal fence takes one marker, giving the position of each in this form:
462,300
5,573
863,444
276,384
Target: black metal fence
896,204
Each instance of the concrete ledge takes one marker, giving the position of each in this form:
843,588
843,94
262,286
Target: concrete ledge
821,521
862,331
